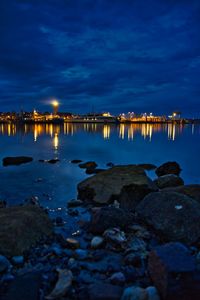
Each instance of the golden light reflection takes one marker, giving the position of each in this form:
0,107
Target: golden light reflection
56,141
106,132
171,132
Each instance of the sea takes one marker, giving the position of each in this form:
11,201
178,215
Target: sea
56,184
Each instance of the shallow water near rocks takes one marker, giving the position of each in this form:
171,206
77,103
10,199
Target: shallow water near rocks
55,184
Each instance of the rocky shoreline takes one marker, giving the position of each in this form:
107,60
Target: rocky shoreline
140,242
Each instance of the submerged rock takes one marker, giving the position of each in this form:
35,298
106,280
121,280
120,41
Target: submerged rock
63,284
107,186
169,180
108,217
134,293
170,167
88,165
16,160
76,161
21,227
174,215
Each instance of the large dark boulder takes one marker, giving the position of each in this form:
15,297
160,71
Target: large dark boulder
147,167
16,160
21,227
173,271
88,165
107,186
169,180
174,215
170,167
190,190
107,217
131,195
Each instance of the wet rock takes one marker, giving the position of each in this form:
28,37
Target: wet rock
152,293
73,212
93,171
137,245
81,254
73,264
108,262
140,232
76,161
50,161
108,217
133,259
134,293
106,186
63,284
172,269
4,264
34,200
115,236
17,160
169,180
147,167
72,243
18,260
74,203
117,278
53,161
104,291
25,286
22,227
174,215
132,194
190,190
97,242
85,277
88,165
170,167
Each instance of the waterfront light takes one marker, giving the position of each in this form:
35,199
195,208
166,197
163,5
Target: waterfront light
55,104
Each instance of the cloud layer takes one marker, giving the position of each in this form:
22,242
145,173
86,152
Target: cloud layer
105,55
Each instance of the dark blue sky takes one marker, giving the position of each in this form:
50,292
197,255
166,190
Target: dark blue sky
118,56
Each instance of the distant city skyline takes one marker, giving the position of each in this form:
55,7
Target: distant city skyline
100,55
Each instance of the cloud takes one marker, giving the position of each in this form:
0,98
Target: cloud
114,55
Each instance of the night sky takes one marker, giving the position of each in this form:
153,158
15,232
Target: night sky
101,55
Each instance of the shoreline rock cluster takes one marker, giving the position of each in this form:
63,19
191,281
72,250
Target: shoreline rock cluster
141,242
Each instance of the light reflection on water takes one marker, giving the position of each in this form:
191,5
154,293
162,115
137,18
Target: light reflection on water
103,143
125,131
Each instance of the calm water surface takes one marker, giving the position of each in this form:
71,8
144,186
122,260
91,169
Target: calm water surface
123,144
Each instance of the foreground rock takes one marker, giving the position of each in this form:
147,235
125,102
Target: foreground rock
107,186
175,216
108,217
190,190
63,284
21,227
169,180
16,160
172,269
170,167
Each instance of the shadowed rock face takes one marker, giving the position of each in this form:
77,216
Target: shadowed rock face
169,180
17,160
170,167
174,215
107,185
21,227
191,190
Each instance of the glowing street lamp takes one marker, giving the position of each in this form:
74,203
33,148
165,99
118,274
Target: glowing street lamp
55,104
